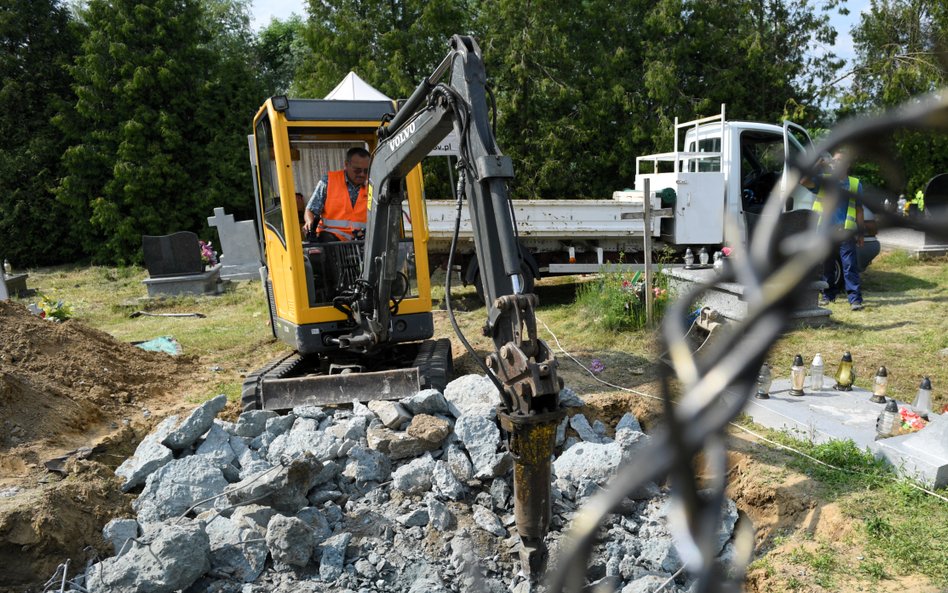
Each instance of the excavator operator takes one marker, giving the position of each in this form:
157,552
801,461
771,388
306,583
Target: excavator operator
337,209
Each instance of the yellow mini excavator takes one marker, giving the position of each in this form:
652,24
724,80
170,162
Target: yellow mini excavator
358,313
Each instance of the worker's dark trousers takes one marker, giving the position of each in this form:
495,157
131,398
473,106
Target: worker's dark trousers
850,260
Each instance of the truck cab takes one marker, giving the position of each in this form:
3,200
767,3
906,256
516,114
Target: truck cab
719,169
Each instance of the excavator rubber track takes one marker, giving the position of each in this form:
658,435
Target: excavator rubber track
292,380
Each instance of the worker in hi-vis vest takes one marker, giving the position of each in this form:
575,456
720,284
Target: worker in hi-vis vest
848,215
338,206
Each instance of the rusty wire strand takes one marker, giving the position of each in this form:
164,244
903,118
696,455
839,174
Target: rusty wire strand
717,385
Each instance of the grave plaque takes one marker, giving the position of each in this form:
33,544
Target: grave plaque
176,254
175,267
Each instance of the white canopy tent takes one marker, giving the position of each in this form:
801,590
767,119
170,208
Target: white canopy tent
353,88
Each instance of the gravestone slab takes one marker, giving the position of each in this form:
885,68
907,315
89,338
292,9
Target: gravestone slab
207,282
727,298
176,254
916,243
825,414
175,267
16,284
240,251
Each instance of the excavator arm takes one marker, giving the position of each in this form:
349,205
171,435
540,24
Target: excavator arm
521,365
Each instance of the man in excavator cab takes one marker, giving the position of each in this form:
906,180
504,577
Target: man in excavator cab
338,206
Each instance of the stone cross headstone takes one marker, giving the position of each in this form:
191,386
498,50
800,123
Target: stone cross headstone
177,254
240,251
4,295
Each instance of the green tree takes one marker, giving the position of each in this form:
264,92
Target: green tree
136,164
900,54
282,51
166,92
391,44
37,44
233,88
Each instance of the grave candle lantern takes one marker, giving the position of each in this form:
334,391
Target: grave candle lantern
879,385
797,375
845,374
764,380
923,399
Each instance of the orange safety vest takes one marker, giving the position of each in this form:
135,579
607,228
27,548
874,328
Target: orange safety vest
339,216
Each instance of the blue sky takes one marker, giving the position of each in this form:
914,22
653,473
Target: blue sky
263,10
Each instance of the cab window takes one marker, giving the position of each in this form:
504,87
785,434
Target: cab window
266,170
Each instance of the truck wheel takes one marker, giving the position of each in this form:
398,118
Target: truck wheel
435,363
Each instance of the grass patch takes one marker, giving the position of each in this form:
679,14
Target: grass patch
899,525
616,299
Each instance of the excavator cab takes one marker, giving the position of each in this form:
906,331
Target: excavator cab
296,142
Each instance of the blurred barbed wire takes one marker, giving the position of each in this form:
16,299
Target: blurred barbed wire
716,385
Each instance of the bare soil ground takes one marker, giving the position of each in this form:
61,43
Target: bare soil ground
67,386
68,390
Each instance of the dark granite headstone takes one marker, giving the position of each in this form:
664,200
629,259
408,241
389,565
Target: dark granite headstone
177,254
936,195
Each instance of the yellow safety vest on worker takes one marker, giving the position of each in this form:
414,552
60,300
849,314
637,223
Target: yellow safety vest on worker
919,200
850,224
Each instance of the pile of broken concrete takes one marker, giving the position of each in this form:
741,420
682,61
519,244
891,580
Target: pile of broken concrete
411,496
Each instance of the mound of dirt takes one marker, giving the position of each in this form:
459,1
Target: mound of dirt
59,382
63,387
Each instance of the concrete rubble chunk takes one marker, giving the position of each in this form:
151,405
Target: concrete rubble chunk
216,446
427,401
570,399
173,558
316,519
312,412
148,457
360,409
366,465
415,476
472,394
117,532
646,584
446,483
429,428
253,516
197,423
488,521
253,423
279,425
631,443
178,486
459,463
290,541
294,443
392,414
588,461
500,493
237,550
439,516
413,518
283,488
480,437
581,425
630,422
561,431
397,445
333,557
349,428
